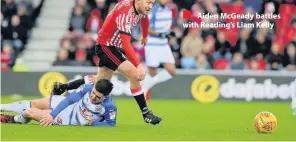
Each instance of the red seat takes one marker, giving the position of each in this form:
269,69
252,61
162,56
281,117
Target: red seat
262,64
291,31
231,37
285,34
221,64
285,20
281,31
282,41
288,9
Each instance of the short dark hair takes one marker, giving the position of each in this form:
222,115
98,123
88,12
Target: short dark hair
104,86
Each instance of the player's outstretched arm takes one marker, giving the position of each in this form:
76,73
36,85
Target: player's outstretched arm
71,99
102,124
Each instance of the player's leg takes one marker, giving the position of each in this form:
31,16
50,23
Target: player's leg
154,78
109,61
148,82
39,108
20,106
164,75
104,73
25,117
43,103
152,61
36,113
130,72
113,58
167,74
169,65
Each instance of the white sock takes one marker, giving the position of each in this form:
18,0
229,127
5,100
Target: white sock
149,81
18,107
162,77
21,119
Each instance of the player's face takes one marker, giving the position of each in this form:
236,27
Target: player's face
96,96
145,6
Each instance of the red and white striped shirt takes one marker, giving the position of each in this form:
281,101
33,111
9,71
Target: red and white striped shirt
120,20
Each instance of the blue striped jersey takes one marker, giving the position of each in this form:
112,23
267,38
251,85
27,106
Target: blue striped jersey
160,21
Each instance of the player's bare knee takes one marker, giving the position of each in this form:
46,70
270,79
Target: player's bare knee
133,79
41,103
172,72
132,75
170,68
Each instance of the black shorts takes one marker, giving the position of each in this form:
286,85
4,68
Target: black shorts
110,56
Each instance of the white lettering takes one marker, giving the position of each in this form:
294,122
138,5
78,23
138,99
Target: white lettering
251,89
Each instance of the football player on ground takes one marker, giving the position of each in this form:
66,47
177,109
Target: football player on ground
89,105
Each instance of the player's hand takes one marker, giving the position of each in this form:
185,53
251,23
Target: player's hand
88,117
144,41
46,120
140,73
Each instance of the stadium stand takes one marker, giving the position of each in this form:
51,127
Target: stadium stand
17,20
52,24
220,49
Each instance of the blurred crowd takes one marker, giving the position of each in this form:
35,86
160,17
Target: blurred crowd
195,48
17,19
242,48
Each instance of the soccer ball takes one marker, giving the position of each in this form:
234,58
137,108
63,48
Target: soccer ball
265,122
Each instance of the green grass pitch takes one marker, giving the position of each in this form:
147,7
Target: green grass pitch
182,120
